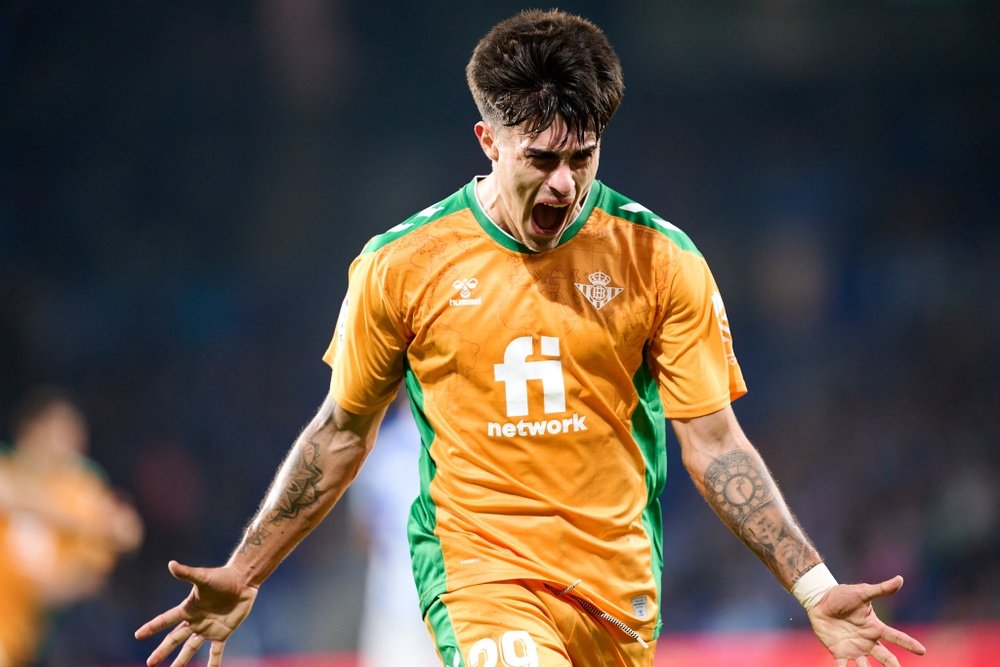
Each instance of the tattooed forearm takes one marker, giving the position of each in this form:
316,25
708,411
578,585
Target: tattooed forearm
741,491
255,536
302,486
295,489
320,465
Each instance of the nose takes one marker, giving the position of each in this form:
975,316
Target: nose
560,181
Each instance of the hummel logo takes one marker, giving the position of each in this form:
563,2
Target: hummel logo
465,288
597,292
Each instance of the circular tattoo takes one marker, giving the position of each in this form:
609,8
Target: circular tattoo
738,486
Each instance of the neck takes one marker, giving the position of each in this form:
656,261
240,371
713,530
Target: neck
489,199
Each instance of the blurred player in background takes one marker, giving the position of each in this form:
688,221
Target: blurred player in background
544,326
62,528
392,633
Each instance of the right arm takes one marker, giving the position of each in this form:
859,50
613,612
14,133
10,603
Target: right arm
317,470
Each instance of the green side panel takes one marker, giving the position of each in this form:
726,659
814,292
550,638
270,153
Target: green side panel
444,635
456,202
507,242
425,547
620,206
649,432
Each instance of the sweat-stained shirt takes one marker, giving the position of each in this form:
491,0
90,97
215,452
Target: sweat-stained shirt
540,383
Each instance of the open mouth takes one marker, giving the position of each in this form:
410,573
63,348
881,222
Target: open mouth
548,219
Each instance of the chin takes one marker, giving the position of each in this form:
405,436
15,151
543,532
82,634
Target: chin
541,245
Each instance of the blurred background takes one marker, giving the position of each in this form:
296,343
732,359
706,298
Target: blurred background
183,185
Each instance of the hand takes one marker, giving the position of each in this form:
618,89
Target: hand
123,525
847,625
216,606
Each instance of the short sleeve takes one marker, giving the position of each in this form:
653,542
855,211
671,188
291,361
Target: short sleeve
368,346
691,354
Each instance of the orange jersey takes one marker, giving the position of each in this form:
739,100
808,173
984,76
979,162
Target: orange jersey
35,553
540,382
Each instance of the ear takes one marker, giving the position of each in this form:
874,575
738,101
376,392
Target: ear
487,140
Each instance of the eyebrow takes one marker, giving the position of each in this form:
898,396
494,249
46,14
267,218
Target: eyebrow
544,154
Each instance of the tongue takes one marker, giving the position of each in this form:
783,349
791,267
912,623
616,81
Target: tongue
548,218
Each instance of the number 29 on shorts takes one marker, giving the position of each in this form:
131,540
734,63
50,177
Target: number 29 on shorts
516,649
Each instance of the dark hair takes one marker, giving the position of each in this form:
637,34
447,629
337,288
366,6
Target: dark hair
538,66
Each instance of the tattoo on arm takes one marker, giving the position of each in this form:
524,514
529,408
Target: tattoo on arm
255,536
300,489
741,491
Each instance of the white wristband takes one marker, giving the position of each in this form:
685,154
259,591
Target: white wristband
813,585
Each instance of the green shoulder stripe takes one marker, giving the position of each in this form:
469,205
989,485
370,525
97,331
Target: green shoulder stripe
620,206
453,203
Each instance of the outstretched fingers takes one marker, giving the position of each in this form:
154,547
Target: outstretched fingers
884,656
903,640
215,654
187,651
171,616
160,623
890,634
175,638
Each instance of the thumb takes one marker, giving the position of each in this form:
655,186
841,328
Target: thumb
883,589
192,575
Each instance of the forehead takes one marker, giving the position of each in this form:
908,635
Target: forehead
555,138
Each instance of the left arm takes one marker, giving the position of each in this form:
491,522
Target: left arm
730,474
732,477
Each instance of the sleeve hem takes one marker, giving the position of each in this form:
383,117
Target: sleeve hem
358,408
707,408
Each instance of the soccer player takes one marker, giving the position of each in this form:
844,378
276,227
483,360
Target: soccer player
544,326
62,527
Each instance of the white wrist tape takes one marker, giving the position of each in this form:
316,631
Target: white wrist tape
813,585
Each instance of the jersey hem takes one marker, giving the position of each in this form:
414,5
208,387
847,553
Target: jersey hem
508,573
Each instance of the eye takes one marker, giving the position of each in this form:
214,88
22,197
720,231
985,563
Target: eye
546,162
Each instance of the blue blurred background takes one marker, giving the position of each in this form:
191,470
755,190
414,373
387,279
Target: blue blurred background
183,185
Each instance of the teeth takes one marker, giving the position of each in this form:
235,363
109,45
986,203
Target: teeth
554,205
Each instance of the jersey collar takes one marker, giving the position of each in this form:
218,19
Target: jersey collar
508,241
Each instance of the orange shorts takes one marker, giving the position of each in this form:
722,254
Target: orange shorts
526,624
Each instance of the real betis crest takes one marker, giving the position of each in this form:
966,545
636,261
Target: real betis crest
598,292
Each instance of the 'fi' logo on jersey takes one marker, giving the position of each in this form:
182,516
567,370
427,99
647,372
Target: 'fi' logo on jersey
598,292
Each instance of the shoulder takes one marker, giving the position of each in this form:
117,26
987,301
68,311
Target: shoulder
454,203
628,210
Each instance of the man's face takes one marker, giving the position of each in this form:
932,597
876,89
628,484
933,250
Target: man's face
541,180
59,431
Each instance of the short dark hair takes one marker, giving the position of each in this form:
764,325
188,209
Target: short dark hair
538,66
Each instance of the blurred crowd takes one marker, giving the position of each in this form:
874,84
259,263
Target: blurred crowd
183,185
